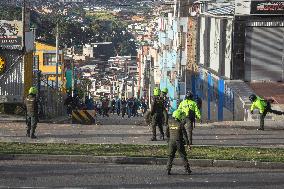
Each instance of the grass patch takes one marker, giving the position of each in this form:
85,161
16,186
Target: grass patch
197,152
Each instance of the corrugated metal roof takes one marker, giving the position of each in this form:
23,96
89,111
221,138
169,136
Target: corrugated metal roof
226,10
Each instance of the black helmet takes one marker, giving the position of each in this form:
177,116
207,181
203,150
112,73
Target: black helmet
252,97
189,95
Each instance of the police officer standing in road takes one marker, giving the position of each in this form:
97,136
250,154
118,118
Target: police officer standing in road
264,107
31,112
166,105
190,108
177,138
157,109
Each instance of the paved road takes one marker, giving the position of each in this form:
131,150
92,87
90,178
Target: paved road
46,174
132,131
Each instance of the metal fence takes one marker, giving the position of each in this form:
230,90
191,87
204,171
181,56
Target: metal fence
51,100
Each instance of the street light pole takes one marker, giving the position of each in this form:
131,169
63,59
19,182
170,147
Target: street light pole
57,54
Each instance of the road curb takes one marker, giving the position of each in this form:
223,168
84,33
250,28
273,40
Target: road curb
142,160
12,121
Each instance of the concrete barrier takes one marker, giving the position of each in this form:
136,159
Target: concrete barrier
83,116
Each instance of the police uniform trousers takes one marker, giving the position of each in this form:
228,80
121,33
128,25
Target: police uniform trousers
157,120
166,117
266,110
189,122
31,123
177,145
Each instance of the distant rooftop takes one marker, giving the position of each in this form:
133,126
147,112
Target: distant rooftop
222,11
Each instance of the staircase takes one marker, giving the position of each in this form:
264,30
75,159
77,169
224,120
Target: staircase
243,90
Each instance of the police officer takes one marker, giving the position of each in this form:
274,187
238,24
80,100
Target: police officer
166,105
157,109
264,106
177,138
190,108
31,112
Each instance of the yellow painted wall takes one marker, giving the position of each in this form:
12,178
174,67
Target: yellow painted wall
42,48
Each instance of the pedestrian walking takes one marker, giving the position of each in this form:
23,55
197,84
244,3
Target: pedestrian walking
130,106
69,104
264,106
31,104
99,106
190,108
117,106
144,106
113,106
123,107
177,138
105,104
136,107
157,108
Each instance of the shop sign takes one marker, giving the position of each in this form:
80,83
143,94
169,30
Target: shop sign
11,34
267,7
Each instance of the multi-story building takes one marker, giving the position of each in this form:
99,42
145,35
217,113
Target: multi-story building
239,51
172,56
45,60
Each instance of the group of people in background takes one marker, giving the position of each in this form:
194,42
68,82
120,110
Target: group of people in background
105,106
125,107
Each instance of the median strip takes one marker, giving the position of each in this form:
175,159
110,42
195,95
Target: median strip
157,151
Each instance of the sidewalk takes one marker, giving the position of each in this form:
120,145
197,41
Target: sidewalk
7,118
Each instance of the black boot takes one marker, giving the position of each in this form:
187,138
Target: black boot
187,169
169,171
28,134
33,136
153,139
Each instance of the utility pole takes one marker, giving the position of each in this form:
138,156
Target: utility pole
180,57
179,66
57,54
133,86
24,24
73,71
283,60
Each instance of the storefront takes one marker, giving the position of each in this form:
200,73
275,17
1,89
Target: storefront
258,42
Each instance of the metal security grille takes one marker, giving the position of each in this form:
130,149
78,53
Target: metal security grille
12,80
264,54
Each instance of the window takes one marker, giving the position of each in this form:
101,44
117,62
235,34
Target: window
49,59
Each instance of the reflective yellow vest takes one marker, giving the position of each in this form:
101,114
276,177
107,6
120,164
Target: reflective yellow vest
187,105
260,104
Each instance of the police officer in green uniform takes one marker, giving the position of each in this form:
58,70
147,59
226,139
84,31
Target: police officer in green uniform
31,112
157,109
166,105
177,138
190,108
263,106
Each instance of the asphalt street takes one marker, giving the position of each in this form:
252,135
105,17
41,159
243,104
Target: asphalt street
26,174
115,130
